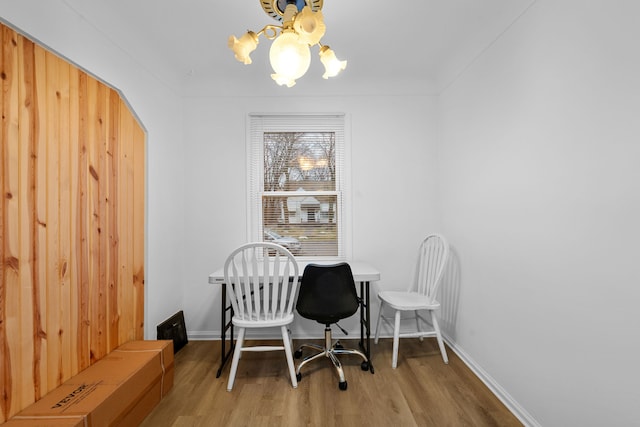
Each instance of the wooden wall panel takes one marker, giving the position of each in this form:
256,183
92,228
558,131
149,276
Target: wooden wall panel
72,160
3,290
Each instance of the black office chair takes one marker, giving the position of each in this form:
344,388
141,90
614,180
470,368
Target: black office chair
328,294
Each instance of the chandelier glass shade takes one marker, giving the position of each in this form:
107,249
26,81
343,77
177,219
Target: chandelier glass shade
290,58
290,55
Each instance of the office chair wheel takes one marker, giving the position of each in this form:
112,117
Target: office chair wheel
338,345
297,354
298,377
364,366
342,386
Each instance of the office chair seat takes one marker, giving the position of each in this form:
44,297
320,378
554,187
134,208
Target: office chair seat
327,295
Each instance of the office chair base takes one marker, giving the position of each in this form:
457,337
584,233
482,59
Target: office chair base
330,351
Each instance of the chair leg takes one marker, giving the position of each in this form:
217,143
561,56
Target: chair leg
396,340
378,322
287,351
351,352
236,358
418,328
308,359
309,345
436,327
290,339
338,366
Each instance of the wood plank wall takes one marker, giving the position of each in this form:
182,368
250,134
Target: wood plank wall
71,222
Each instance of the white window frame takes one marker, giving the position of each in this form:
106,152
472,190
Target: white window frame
259,123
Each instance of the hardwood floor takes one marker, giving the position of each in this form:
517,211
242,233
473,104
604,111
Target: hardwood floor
422,391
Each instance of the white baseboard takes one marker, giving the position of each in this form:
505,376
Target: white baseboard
203,335
267,334
511,404
312,331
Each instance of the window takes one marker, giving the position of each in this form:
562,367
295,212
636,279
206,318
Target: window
297,183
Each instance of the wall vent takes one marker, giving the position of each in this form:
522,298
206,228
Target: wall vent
173,329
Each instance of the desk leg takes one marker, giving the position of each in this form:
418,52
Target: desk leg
224,326
365,323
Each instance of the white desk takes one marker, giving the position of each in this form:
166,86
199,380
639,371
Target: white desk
363,273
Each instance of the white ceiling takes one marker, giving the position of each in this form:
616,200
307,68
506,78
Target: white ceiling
417,46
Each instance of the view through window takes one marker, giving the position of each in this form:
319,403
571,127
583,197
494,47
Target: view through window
299,196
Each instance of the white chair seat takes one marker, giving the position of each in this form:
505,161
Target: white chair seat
264,321
401,300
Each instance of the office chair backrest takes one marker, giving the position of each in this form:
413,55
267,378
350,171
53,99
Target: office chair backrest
262,279
327,293
432,259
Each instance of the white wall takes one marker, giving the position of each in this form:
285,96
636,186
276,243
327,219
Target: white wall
391,211
63,30
539,182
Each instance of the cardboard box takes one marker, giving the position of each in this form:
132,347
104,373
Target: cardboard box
165,347
118,390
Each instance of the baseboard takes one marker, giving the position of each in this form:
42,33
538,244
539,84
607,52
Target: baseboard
203,335
269,334
511,404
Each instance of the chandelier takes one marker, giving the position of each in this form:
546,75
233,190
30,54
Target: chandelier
290,57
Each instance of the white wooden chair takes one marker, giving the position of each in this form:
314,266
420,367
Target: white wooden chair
419,297
262,279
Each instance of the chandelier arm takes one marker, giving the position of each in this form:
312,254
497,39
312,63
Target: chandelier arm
270,32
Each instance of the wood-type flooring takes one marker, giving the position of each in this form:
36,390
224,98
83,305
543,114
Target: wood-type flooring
422,391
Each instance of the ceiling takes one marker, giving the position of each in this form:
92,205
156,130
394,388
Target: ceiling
398,47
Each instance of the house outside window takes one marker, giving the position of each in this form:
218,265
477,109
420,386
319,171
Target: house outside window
298,183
